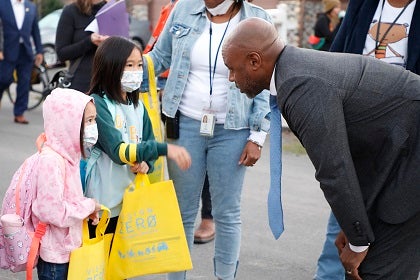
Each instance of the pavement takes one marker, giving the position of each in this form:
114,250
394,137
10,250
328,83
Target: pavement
292,257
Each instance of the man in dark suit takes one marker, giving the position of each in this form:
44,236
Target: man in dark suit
20,23
359,120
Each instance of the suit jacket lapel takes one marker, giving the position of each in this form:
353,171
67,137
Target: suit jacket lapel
26,17
10,14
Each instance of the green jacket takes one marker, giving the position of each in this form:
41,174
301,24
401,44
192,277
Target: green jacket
110,139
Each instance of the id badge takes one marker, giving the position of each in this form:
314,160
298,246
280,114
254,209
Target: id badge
208,121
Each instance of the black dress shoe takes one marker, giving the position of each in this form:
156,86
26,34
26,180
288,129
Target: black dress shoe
21,120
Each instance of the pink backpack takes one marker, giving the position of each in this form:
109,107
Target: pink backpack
20,233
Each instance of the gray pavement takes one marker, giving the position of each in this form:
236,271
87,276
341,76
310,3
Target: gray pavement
291,257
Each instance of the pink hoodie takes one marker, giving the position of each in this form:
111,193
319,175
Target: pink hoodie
60,202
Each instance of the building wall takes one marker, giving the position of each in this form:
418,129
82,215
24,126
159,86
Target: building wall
301,15
155,6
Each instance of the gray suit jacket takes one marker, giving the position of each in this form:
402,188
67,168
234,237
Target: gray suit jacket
359,120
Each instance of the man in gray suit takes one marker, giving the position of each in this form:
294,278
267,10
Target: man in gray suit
359,120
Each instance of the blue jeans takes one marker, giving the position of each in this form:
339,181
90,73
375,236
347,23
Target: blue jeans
219,156
329,266
52,271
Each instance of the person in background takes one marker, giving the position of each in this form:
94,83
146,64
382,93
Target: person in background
359,121
358,35
59,198
73,43
20,29
327,23
205,231
197,86
126,146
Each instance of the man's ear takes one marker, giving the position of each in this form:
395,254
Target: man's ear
254,60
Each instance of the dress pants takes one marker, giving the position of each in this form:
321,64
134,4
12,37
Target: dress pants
23,68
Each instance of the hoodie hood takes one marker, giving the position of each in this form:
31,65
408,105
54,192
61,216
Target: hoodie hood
63,113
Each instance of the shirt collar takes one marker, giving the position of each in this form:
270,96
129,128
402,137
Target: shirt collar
17,2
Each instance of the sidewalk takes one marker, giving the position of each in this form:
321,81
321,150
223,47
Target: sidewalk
292,257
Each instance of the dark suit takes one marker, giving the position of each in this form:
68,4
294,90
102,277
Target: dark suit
359,120
18,51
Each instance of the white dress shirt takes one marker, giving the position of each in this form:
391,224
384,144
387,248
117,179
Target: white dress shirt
19,11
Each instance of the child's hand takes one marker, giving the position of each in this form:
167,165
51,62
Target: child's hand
180,156
94,216
141,167
1,56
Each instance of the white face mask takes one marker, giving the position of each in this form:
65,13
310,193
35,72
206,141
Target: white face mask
221,9
90,135
131,80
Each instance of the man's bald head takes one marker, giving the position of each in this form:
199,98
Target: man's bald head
250,53
253,34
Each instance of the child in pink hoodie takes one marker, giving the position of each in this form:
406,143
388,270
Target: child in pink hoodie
70,127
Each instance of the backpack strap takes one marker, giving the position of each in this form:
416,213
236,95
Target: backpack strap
96,152
111,107
17,191
39,231
36,238
33,252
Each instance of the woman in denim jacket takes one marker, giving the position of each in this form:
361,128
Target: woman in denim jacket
198,86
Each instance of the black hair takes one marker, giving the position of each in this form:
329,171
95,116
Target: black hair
108,67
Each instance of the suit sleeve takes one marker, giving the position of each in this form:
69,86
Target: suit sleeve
319,123
36,35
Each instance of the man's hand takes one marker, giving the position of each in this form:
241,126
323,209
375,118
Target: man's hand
1,56
350,260
250,155
180,156
39,58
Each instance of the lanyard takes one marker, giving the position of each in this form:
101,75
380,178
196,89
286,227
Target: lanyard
378,42
217,53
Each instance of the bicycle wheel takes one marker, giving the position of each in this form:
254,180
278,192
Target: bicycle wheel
36,92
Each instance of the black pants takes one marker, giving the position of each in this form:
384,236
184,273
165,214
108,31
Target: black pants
206,201
395,254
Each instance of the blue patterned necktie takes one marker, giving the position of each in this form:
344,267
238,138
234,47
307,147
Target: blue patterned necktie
275,211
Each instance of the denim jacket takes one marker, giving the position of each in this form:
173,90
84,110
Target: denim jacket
183,27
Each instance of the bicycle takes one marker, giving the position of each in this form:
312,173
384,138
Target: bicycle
40,87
